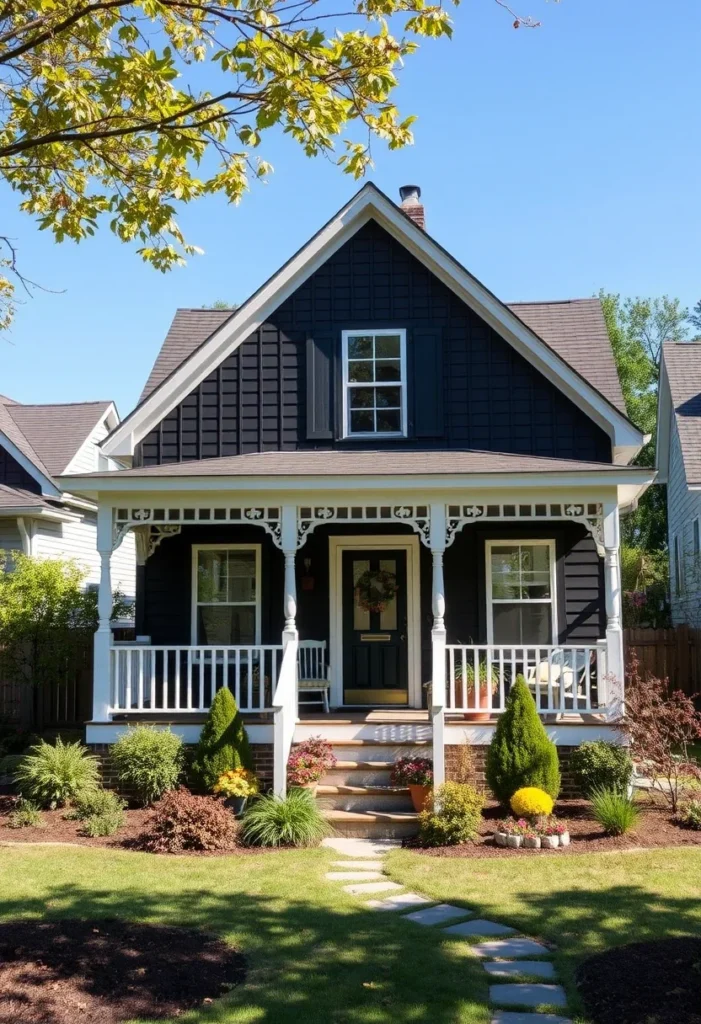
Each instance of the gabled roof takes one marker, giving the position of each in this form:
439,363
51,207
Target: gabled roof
44,438
368,204
680,396
15,500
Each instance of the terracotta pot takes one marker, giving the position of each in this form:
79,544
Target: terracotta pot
420,796
311,786
483,701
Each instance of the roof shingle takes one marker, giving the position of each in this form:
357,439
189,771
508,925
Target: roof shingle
56,432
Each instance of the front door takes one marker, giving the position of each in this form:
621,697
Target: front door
375,651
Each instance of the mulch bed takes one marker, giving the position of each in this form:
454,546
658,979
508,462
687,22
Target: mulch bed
656,982
656,829
108,971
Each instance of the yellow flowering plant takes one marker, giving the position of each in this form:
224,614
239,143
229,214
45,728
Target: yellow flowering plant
531,802
238,782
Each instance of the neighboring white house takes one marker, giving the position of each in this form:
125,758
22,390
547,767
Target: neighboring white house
679,459
37,516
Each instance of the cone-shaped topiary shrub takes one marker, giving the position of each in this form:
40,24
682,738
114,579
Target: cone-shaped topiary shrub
520,753
223,744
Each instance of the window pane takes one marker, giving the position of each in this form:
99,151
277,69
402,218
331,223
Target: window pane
388,369
360,372
226,625
505,572
360,422
387,398
522,624
388,615
535,557
535,585
389,421
362,398
360,346
211,576
387,347
361,616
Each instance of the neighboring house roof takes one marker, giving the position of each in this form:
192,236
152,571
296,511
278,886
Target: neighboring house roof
56,432
174,377
681,370
12,499
358,463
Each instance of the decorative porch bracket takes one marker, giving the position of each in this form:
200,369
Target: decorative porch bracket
589,514
418,517
165,522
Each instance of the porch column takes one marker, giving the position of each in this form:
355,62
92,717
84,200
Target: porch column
437,542
103,637
289,548
614,684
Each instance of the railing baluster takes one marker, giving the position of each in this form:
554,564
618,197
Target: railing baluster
178,656
249,679
237,677
587,678
140,681
501,681
488,683
189,679
476,677
127,690
225,669
550,679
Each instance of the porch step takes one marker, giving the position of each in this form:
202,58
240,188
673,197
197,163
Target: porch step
373,824
386,751
363,798
381,743
359,773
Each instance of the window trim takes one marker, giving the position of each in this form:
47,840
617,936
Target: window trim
552,600
696,537
679,587
402,382
194,604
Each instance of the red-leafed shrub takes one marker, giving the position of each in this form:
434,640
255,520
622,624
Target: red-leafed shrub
309,760
182,821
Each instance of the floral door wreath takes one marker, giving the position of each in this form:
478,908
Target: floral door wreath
375,588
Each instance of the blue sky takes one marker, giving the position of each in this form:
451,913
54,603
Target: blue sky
553,162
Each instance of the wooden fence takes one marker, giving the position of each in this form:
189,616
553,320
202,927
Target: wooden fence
673,654
64,703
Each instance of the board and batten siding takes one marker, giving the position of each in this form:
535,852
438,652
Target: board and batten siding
281,390
683,507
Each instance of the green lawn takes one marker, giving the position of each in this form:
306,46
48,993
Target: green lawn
314,954
582,903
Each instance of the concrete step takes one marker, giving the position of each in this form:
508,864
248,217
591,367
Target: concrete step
363,798
359,773
373,824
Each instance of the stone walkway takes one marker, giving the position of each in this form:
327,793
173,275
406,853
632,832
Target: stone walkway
523,979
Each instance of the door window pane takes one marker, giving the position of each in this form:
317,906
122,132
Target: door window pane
361,616
388,616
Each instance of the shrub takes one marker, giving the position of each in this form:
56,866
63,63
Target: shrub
412,771
531,802
237,783
148,762
54,775
599,764
182,821
292,821
309,760
615,811
223,744
455,816
105,824
689,815
95,802
520,753
25,815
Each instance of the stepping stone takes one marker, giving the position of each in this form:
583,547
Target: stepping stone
352,876
510,948
357,865
536,968
351,846
369,887
527,994
437,915
402,901
479,927
509,1017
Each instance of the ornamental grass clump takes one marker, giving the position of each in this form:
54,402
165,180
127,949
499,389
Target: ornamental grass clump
531,802
520,753
454,817
25,815
309,761
148,762
53,775
599,764
182,821
615,812
294,820
223,744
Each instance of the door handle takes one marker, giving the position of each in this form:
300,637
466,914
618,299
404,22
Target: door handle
402,636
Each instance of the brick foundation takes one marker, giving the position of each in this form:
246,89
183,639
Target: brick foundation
455,771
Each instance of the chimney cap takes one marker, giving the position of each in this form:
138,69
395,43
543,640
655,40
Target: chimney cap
409,192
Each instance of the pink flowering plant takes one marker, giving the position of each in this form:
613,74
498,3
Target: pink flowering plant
412,771
308,761
514,826
543,826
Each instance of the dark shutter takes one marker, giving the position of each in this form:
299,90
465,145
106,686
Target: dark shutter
319,361
426,362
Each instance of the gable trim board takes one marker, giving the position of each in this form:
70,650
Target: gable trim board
369,203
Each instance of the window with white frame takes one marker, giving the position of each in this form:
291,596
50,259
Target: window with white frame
521,592
678,566
226,595
374,383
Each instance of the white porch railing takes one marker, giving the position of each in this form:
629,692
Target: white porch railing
563,678
166,679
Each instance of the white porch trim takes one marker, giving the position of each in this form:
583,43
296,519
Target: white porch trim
339,544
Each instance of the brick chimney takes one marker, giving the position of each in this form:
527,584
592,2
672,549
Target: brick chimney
412,205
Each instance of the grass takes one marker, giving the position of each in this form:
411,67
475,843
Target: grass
581,903
314,954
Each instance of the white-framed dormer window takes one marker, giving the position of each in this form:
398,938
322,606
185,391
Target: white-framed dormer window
374,383
521,599
226,594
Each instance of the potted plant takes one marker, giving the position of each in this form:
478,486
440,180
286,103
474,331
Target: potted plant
417,774
465,678
550,838
236,786
511,832
531,839
308,762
